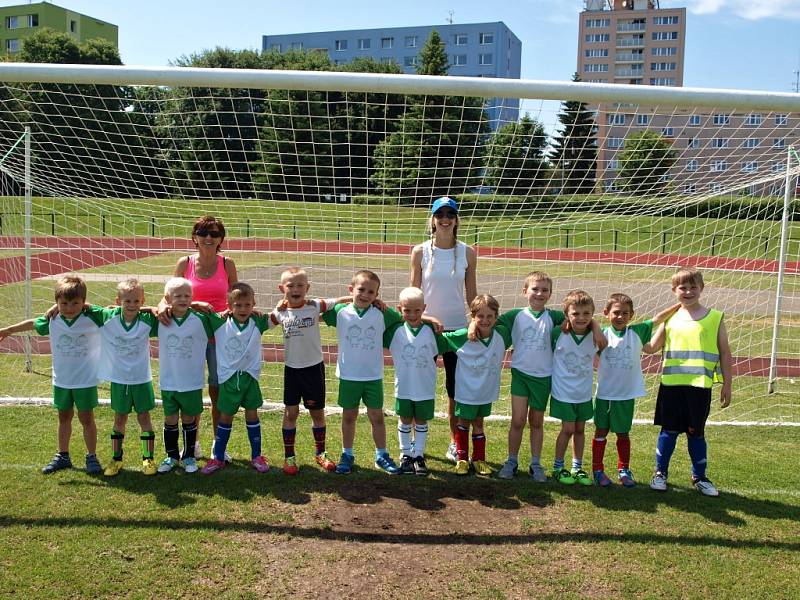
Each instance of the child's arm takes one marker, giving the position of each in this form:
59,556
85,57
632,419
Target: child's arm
726,365
656,342
437,325
665,314
597,335
26,325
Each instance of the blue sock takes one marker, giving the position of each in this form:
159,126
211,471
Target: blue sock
348,451
665,446
577,464
380,452
221,440
558,464
254,435
698,451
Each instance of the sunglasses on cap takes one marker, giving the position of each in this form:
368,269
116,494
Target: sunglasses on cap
445,214
214,233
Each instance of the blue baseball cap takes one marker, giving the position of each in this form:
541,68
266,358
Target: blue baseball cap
444,202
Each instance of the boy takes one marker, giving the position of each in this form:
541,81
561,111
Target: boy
571,394
75,349
696,349
359,366
619,382
181,356
531,368
414,346
238,365
125,362
304,369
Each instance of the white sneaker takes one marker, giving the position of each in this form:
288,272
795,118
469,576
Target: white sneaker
537,473
508,470
659,482
705,487
451,453
198,450
189,465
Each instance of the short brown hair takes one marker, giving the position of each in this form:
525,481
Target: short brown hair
368,275
577,298
240,289
129,284
484,300
688,275
207,221
619,299
70,287
537,276
290,271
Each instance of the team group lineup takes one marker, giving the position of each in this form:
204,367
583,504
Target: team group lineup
208,328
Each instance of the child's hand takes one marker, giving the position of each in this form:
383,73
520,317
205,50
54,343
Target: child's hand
203,307
164,314
52,312
724,394
379,304
472,331
226,313
599,339
437,325
282,305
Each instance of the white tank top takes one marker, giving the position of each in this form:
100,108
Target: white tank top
443,285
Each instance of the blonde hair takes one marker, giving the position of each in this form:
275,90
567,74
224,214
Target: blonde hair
368,275
411,294
484,300
689,275
534,276
239,290
70,287
619,299
289,271
176,283
128,285
577,298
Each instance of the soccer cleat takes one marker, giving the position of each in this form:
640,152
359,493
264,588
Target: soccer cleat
581,477
420,468
508,470
563,476
93,465
323,461
462,467
385,463
601,479
705,487
659,482
212,466
198,450
149,466
482,468
537,473
290,466
261,464
167,465
345,466
451,454
406,465
189,465
626,478
59,462
113,468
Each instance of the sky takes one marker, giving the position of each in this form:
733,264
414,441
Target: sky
742,44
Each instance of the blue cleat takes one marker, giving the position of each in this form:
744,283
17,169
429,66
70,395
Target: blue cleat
385,463
345,466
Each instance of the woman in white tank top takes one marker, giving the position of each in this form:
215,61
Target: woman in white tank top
445,269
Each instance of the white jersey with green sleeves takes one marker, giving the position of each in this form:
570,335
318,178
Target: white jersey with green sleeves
302,345
125,347
573,367
619,376
238,345
480,364
182,352
74,347
360,335
414,351
531,337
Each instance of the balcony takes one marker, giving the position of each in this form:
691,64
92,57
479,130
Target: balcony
628,72
628,57
630,42
622,27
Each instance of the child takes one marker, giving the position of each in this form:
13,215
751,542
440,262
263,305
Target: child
181,356
125,362
414,346
480,363
696,349
75,349
359,366
619,383
238,348
304,371
573,373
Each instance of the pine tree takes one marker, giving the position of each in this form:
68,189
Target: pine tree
574,150
515,162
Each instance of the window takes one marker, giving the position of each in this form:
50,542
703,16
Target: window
12,45
719,143
664,178
33,20
598,23
665,20
715,188
615,119
662,81
668,132
722,120
778,166
410,61
296,46
779,143
461,39
754,119
387,43
340,45
693,142
484,59
364,43
690,188
610,186
616,142
459,60
411,41
642,119
73,26
595,68
485,38
665,66
597,37
692,165
750,166
662,36
275,47
752,143
596,53
12,22
597,80
719,165
664,51
613,164
781,120
694,120
387,60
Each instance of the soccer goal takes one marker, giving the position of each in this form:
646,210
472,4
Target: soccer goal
608,188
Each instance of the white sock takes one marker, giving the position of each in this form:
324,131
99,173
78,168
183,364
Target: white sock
420,437
404,435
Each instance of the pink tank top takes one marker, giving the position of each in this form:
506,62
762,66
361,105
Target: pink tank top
214,289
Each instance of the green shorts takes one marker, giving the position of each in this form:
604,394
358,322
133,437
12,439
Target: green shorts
470,412
189,403
614,415
81,398
239,391
351,393
535,389
139,397
571,413
420,409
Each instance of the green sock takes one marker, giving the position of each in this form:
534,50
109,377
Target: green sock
148,444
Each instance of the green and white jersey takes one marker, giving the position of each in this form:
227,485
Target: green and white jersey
414,353
125,348
182,352
238,345
531,336
479,366
75,347
360,335
573,367
619,375
302,345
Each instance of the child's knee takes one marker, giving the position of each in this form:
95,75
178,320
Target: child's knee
349,415
225,419
567,427
536,419
291,412
86,417
375,416
65,416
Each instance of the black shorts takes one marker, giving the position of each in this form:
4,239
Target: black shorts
450,359
683,408
307,384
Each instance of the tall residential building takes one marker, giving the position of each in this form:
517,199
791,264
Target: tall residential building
473,49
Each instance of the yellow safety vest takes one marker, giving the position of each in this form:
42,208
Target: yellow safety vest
691,354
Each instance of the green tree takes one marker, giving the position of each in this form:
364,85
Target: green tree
574,148
645,162
515,161
432,57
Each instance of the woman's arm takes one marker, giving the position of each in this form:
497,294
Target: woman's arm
180,266
471,275
416,267
230,270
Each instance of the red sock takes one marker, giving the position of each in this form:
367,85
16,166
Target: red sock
623,452
598,451
478,446
462,442
319,438
288,441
